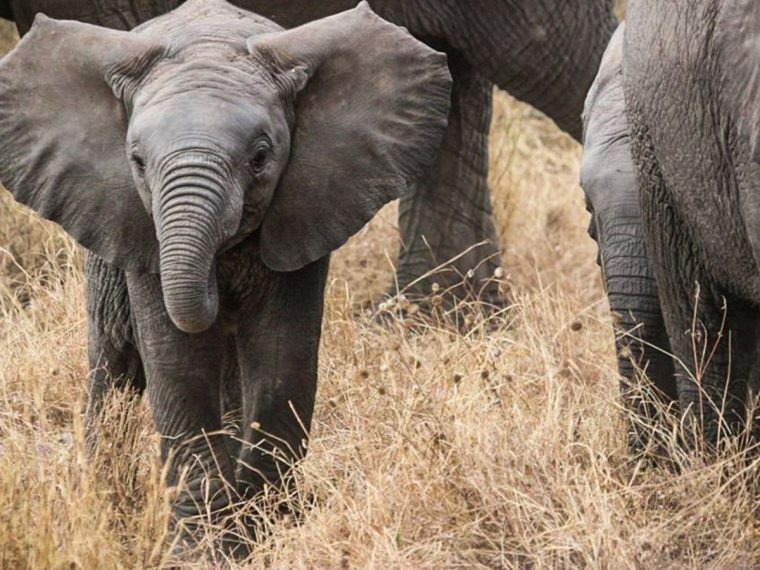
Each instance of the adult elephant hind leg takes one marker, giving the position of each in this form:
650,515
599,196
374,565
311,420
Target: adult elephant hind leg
114,360
184,375
445,216
705,326
278,347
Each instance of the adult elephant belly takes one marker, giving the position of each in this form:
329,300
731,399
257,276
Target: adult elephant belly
126,14
116,14
543,53
296,12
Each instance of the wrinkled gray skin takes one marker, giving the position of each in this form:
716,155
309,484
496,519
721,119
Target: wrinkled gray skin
208,161
609,182
691,78
545,53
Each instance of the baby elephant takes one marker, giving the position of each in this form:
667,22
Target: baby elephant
210,162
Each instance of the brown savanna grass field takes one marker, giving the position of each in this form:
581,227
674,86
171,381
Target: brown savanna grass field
431,449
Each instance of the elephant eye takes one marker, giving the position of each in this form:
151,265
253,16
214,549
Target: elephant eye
260,158
139,162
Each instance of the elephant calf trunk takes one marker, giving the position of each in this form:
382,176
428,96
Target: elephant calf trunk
192,300
189,238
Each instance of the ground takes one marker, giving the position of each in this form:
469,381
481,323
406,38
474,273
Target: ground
501,446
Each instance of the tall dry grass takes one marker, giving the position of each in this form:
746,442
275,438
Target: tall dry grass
501,447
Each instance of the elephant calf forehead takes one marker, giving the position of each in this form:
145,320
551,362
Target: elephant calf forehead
189,25
224,73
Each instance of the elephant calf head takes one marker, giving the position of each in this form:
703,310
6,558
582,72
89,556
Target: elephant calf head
158,148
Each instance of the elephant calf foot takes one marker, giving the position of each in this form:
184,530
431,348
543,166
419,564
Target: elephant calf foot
225,545
206,521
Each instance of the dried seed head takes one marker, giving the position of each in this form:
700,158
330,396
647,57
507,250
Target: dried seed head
435,287
255,426
436,301
470,274
498,273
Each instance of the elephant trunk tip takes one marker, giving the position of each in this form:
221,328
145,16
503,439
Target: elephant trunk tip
193,326
196,312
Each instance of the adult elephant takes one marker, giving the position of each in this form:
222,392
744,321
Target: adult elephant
544,53
690,75
207,161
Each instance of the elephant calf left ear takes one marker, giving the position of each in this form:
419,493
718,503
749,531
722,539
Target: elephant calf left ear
369,122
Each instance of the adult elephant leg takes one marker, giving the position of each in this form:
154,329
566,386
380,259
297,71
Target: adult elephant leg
278,343
446,215
609,182
184,373
544,53
641,339
710,337
710,333
114,360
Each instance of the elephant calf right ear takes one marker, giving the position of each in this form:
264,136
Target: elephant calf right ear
369,122
63,136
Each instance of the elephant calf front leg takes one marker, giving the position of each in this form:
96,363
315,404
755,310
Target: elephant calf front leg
278,348
184,374
446,215
113,357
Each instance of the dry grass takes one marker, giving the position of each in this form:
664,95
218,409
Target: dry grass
430,450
